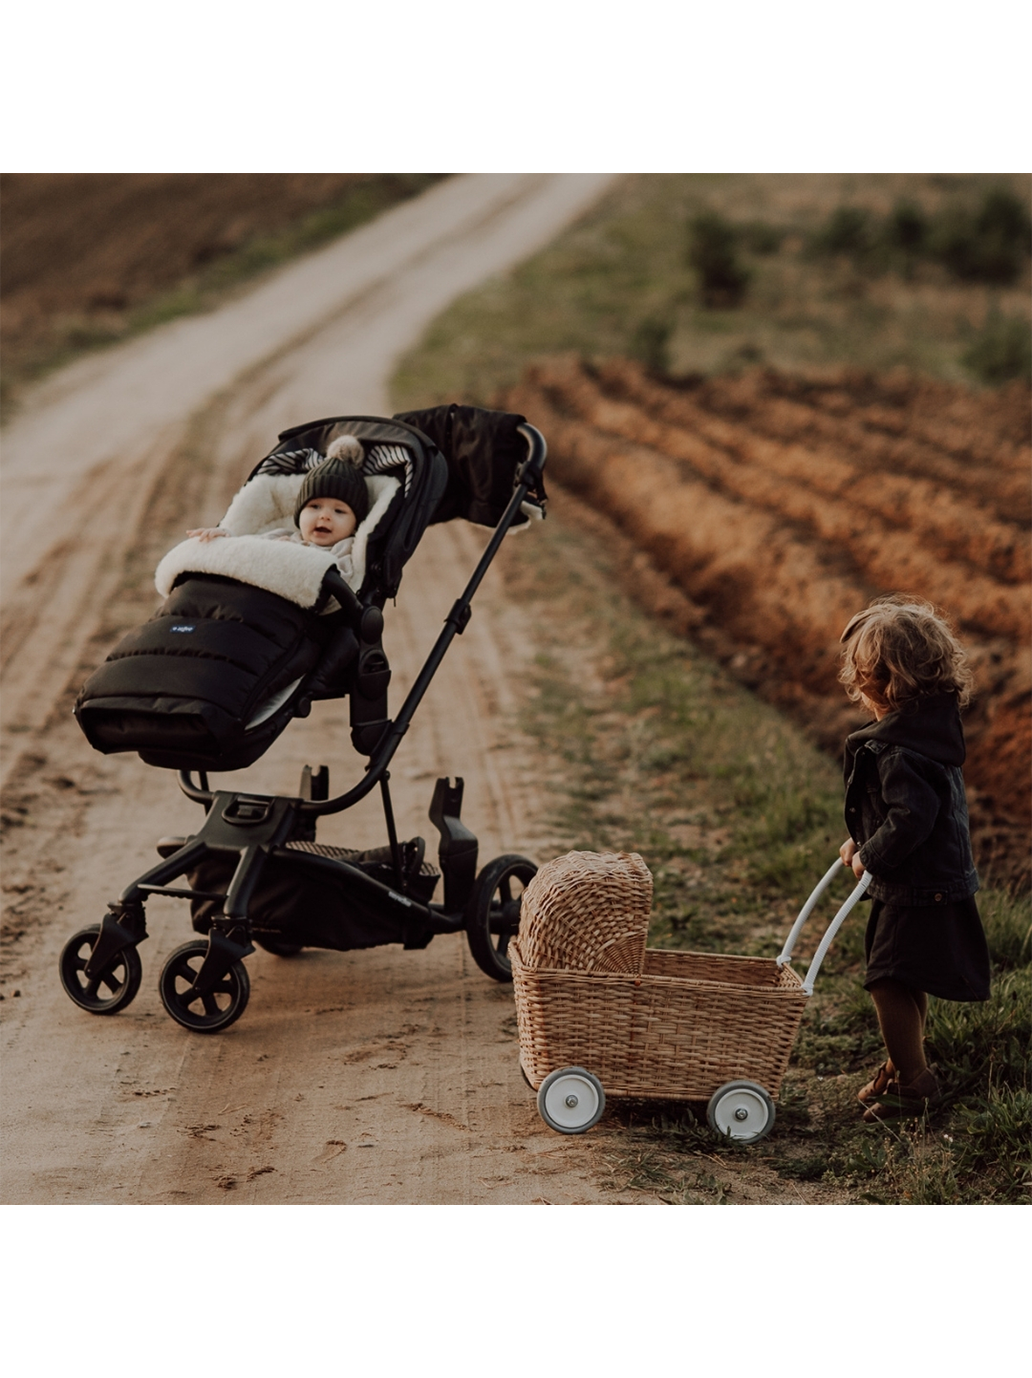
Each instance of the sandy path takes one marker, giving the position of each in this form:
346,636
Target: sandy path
377,1076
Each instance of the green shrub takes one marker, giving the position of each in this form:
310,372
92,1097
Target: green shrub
712,252
906,228
760,238
848,231
1003,350
990,244
651,343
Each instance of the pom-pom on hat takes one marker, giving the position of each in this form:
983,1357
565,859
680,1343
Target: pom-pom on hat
338,476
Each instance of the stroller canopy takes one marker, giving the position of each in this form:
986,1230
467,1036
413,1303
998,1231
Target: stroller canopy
452,461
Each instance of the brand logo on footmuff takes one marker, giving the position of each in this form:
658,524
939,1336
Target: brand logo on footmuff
181,629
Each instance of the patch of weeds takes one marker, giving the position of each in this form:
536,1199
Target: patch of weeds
977,1044
1002,350
810,1168
848,230
1007,919
838,1034
650,342
671,1151
760,237
989,243
713,254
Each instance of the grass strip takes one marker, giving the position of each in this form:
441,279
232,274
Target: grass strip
625,280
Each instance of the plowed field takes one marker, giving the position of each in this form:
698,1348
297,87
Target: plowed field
781,505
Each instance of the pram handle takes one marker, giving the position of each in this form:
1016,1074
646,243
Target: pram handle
528,477
830,931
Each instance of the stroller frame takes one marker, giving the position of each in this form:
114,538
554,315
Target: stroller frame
100,968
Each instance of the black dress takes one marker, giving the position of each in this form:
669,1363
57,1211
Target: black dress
937,948
907,812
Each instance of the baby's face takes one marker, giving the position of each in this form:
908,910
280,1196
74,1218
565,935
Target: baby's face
325,521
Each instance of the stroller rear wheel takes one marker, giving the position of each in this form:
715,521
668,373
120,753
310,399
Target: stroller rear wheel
207,1013
113,989
493,913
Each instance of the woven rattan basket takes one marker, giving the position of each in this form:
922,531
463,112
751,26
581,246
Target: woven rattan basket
587,911
690,1022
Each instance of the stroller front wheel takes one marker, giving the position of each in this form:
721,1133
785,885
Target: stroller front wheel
493,913
114,988
208,1013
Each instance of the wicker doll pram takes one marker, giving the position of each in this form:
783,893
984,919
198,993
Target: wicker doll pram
605,1015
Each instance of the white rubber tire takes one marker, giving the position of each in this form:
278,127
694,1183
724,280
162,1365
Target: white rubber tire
570,1100
741,1110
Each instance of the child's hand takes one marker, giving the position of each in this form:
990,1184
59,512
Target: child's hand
849,852
208,533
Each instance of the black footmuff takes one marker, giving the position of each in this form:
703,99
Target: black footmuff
210,681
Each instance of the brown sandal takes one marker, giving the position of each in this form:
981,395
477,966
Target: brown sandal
905,1102
883,1079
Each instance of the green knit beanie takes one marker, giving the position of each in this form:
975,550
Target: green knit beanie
338,476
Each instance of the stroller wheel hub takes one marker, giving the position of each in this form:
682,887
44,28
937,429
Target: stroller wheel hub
572,1101
741,1114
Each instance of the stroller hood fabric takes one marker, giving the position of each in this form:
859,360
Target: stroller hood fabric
483,451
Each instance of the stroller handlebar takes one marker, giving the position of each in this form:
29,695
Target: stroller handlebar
530,470
831,930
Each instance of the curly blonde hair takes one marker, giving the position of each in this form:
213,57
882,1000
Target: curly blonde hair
901,649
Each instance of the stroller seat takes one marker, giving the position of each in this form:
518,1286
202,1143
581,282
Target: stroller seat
252,631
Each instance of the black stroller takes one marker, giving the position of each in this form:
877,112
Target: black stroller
253,661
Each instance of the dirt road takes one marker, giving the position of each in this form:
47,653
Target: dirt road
378,1076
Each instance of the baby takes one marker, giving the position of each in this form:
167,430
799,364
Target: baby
333,500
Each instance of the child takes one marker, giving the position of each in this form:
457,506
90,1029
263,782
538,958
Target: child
907,817
331,503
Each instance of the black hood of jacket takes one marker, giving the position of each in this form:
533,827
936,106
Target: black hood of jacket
930,726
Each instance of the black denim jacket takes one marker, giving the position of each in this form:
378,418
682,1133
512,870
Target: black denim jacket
905,804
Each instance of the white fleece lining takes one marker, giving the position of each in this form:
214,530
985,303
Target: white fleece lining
295,572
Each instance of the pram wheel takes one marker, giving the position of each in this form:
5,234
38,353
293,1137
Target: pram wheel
493,913
113,989
276,946
741,1110
571,1100
202,1013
